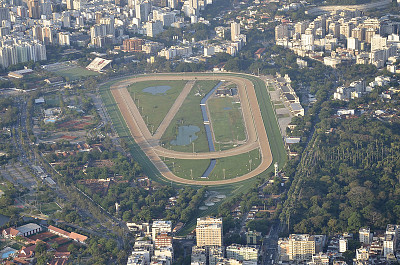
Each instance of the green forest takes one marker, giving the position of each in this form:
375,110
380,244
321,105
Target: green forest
348,176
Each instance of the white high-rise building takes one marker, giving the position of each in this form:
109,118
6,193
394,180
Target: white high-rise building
194,5
21,53
342,245
154,28
365,235
389,244
142,10
353,44
63,38
378,42
173,4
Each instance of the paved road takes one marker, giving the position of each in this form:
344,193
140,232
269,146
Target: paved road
253,121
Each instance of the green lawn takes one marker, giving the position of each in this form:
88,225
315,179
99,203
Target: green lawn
49,208
271,88
227,121
52,100
182,167
75,73
154,107
234,166
190,114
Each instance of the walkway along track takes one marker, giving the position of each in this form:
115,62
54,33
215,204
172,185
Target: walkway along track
257,135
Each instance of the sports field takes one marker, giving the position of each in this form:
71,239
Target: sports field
154,107
75,73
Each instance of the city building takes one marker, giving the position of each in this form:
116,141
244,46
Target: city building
160,226
343,243
199,255
132,45
34,9
365,235
235,31
242,253
209,231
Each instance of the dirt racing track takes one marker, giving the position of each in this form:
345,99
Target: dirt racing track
255,129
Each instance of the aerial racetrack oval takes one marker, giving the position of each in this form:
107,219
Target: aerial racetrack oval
149,140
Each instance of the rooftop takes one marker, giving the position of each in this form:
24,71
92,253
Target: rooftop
28,227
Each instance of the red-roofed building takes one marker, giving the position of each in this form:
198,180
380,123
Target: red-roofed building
58,231
259,52
78,237
74,236
28,252
9,232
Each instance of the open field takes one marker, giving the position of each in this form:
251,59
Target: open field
76,72
227,121
154,107
189,114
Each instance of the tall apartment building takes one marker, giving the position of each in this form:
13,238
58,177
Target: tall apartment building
21,53
199,255
209,231
343,245
132,45
47,35
154,28
299,247
389,245
5,13
46,8
235,30
63,38
34,9
378,42
70,4
365,235
284,31
142,10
